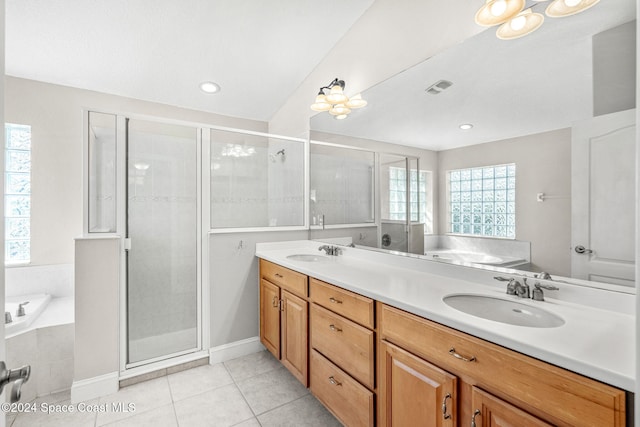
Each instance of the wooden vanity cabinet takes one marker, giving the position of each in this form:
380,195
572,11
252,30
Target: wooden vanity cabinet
284,314
489,411
508,388
414,392
343,348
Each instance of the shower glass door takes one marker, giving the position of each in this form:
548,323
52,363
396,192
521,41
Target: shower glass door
162,232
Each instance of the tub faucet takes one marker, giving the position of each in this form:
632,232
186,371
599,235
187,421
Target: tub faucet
20,311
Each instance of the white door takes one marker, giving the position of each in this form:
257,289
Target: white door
603,199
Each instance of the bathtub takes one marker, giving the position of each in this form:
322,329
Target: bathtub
453,255
37,304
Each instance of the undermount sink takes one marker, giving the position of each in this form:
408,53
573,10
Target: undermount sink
503,310
308,257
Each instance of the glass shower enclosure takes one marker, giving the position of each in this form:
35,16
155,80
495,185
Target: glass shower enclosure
161,241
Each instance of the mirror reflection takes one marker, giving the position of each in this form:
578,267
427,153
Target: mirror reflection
559,106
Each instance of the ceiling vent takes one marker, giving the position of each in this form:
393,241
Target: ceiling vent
438,87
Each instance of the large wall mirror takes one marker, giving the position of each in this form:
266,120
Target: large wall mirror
544,180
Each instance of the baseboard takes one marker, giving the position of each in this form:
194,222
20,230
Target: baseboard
225,352
95,387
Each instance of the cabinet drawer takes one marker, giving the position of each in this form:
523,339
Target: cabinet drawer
348,400
288,279
351,305
345,343
559,396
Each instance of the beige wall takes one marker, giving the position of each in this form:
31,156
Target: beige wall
97,275
55,115
543,165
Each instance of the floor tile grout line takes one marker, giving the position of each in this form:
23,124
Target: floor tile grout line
132,414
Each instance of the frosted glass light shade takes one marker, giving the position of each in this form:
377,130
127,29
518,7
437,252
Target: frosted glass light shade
524,23
321,104
561,8
336,95
339,110
496,12
356,101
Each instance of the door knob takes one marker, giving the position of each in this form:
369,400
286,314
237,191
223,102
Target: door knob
582,250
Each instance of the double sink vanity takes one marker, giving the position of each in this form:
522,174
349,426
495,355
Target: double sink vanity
389,340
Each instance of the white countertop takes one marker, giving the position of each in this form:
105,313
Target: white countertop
596,342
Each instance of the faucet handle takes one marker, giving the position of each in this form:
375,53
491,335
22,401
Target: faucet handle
538,285
511,286
538,295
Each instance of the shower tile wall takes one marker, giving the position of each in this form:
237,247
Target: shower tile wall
238,183
256,181
341,189
162,226
286,183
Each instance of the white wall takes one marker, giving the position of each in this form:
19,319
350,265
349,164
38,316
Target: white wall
55,116
543,165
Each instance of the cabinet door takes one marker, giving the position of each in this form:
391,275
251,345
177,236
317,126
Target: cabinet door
489,411
270,317
294,335
413,391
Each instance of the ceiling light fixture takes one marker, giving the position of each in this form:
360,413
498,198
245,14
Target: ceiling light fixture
496,12
209,87
522,22
335,101
466,126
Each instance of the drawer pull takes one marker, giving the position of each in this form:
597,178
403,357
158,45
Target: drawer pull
335,301
334,382
452,352
275,301
278,275
444,407
473,417
334,328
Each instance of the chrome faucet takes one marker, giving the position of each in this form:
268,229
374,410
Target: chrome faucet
538,294
516,288
543,275
331,250
20,311
522,290
7,317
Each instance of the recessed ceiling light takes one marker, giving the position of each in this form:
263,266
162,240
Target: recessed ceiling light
466,126
209,87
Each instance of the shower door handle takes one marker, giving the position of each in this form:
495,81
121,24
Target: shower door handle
17,376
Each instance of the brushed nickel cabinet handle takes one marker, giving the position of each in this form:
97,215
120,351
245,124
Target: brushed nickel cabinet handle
444,407
334,382
473,417
334,328
452,351
335,301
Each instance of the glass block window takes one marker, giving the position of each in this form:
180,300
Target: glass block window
17,193
398,194
482,201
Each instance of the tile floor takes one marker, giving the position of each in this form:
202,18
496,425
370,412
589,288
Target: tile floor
254,390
